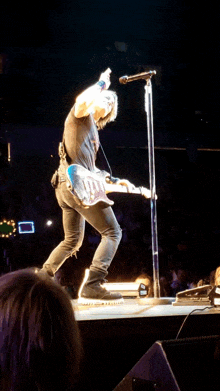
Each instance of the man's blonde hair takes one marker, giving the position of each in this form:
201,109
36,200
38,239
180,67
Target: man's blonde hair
110,116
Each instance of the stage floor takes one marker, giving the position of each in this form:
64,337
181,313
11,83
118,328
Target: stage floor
115,337
137,308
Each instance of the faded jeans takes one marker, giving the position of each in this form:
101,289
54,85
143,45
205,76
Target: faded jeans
99,216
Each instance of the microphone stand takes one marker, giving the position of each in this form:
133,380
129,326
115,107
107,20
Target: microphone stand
155,254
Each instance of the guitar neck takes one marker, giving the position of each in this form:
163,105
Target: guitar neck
112,188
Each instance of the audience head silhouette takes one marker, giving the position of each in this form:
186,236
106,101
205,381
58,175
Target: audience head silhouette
40,347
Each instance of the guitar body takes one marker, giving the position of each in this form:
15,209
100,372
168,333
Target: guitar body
86,186
89,188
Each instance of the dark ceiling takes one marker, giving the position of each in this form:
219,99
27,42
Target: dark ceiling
58,48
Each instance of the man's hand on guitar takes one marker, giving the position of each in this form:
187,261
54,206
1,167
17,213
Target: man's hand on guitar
130,187
146,192
125,182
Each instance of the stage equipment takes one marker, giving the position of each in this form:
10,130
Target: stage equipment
194,296
190,364
214,296
127,289
150,133
26,227
202,295
138,76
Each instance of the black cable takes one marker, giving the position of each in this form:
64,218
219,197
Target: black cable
110,170
197,309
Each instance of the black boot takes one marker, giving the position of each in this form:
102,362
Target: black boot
92,292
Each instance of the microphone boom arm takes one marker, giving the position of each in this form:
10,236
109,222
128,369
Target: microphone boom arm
138,76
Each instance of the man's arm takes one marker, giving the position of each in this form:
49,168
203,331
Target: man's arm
118,181
125,182
89,100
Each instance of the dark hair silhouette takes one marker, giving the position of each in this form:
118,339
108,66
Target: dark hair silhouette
40,348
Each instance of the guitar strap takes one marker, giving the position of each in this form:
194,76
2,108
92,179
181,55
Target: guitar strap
111,178
63,161
60,174
62,151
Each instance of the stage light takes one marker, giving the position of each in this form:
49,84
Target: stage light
7,228
49,223
127,289
26,227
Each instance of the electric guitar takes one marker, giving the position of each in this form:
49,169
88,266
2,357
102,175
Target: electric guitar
89,188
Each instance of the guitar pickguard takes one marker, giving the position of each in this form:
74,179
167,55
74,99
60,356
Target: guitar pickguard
88,187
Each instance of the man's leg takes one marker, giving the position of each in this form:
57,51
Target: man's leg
102,218
73,226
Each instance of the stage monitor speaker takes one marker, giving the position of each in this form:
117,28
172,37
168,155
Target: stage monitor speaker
191,364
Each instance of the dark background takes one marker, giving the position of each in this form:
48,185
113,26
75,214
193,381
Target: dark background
51,51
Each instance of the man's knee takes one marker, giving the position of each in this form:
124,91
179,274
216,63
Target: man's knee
72,244
114,233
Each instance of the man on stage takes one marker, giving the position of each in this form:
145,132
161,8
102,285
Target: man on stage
93,109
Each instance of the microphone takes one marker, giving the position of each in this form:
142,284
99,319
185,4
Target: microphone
138,76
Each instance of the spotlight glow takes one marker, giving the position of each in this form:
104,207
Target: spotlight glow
49,223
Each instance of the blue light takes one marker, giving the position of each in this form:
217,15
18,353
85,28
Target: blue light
26,227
